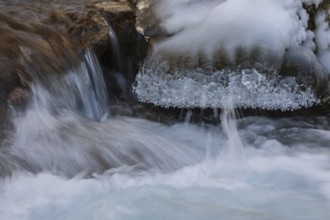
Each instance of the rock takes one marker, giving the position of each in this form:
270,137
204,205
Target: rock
23,44
147,23
312,10
131,49
50,32
299,62
44,37
5,124
325,5
121,17
18,97
302,63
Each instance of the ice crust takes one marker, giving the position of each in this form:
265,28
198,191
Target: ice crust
248,89
200,29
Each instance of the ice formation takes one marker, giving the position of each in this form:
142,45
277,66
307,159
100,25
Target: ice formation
203,28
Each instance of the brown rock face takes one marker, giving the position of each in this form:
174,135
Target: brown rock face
43,37
30,50
50,33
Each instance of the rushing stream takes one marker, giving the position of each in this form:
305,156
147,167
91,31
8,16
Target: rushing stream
246,168
67,157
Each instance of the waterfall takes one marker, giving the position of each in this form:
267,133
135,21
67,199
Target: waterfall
96,101
66,130
82,90
117,56
235,155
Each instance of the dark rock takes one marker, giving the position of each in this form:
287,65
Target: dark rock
312,10
302,63
131,49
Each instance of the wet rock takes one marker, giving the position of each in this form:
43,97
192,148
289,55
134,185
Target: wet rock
299,62
18,97
126,57
51,32
23,45
121,17
44,37
5,124
313,9
147,23
302,63
88,29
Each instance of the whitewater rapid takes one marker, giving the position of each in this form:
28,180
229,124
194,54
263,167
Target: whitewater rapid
283,172
68,157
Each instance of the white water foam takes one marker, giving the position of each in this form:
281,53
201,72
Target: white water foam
158,171
61,131
282,179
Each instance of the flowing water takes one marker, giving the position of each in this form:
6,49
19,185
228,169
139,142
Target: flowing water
69,158
70,162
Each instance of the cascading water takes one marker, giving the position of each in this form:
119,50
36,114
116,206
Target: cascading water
82,90
158,171
235,155
68,158
61,131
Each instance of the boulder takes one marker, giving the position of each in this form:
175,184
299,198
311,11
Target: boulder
147,23
303,64
45,37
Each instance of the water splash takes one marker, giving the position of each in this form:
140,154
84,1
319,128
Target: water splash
98,100
81,90
74,134
120,65
116,52
235,155
284,182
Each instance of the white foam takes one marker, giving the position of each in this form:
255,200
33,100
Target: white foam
277,181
